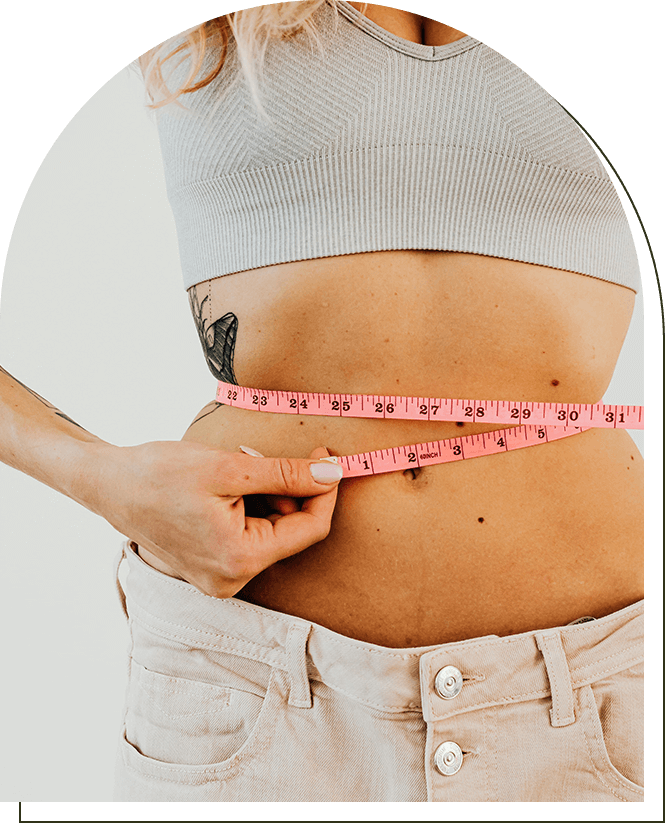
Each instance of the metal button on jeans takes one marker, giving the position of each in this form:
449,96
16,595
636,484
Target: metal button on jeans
448,758
448,682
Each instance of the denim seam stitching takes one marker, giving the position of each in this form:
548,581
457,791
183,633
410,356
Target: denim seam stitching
638,792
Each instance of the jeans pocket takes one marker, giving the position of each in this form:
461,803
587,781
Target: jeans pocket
188,731
611,712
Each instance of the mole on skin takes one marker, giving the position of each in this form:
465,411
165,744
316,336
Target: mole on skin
555,382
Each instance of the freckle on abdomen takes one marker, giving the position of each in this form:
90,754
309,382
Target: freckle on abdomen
555,382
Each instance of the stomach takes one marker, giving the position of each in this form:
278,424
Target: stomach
497,545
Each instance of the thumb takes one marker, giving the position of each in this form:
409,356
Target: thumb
326,470
288,476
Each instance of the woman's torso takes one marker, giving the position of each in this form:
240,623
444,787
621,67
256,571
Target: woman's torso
495,545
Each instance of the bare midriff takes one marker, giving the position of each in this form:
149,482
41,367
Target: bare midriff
494,545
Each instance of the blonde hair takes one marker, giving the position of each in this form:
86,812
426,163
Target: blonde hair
252,30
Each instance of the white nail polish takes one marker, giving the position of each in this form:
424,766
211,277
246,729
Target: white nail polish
251,452
326,474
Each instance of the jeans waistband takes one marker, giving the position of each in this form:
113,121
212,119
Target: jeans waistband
495,670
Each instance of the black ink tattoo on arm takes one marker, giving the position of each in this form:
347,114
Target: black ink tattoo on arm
43,400
218,339
205,411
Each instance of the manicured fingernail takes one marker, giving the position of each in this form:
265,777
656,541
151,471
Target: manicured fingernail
326,472
251,452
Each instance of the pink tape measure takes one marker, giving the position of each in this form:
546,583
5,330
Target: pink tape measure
534,423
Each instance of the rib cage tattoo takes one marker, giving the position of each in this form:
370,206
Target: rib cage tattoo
218,338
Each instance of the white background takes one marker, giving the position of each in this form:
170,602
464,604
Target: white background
106,350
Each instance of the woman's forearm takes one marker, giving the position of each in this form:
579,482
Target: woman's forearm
43,442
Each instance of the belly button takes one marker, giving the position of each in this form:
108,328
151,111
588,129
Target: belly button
412,474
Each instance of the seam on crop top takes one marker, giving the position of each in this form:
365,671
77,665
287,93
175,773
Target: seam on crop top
605,181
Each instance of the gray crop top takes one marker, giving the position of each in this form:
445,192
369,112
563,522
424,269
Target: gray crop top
379,144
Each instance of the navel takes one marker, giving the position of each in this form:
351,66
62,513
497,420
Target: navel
412,474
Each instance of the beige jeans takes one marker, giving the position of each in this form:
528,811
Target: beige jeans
229,701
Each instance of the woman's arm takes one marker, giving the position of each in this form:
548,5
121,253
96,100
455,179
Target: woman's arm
40,440
182,501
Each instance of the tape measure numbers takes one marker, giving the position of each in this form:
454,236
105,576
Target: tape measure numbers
534,423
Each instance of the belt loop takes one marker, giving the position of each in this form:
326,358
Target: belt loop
300,693
121,594
562,712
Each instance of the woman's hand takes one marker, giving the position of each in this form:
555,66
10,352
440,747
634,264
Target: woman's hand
183,502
